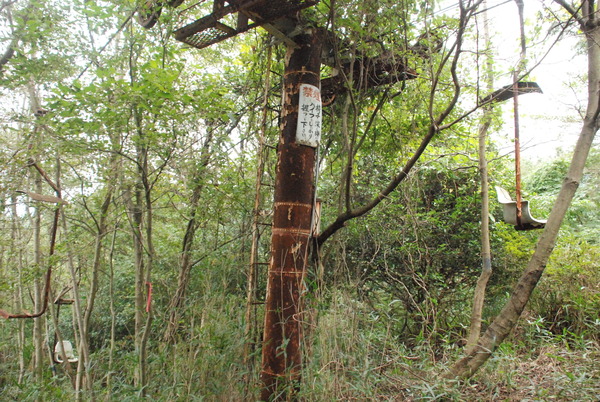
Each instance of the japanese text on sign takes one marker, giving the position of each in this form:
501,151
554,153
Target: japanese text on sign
309,116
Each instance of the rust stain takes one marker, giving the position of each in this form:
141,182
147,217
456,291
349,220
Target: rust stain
293,204
284,232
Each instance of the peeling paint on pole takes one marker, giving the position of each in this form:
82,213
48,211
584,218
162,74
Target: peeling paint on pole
293,208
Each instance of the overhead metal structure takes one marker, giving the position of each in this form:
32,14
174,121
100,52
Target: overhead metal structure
376,71
233,17
229,18
509,91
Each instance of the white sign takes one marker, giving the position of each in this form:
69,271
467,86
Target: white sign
308,131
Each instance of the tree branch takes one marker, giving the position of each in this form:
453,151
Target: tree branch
431,132
8,54
574,13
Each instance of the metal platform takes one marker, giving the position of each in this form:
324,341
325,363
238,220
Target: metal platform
508,91
245,15
376,71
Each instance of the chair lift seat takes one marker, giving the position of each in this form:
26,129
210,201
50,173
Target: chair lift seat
68,348
528,222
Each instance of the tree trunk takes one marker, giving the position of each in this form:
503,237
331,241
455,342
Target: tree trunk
136,207
145,336
113,313
100,234
506,321
83,349
38,322
251,330
486,254
188,241
89,308
17,254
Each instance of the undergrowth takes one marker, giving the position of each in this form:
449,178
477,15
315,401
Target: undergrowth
354,355
352,352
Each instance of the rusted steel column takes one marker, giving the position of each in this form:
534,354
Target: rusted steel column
517,152
294,196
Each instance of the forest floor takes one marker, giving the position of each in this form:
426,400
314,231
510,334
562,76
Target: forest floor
553,374
547,373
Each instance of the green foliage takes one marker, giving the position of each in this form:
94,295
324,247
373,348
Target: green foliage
389,312
583,215
415,253
568,298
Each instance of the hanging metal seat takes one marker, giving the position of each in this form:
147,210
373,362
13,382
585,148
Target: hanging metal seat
509,206
69,353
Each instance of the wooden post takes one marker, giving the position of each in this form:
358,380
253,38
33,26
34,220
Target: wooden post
293,208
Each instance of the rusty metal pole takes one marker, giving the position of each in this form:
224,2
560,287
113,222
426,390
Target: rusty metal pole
517,152
518,70
293,208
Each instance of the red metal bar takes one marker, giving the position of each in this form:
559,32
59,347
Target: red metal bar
520,6
149,297
519,198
